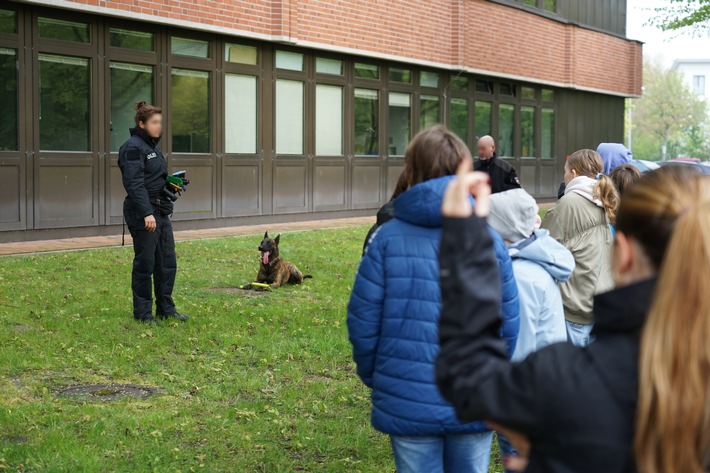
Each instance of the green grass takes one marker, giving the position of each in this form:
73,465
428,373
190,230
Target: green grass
252,383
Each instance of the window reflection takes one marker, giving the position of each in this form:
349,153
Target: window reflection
130,83
190,111
367,119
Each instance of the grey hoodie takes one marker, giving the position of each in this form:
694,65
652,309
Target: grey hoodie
539,264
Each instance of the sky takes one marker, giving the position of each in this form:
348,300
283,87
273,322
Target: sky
665,46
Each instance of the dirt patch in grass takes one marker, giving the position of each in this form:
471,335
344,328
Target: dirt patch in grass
108,392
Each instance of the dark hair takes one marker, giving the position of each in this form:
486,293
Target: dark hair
145,111
587,162
435,152
624,176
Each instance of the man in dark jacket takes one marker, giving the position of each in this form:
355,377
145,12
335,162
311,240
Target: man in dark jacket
503,175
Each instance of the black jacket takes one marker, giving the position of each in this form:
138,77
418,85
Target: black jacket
384,215
144,170
503,176
576,405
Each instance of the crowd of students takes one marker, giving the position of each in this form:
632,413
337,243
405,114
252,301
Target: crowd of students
581,337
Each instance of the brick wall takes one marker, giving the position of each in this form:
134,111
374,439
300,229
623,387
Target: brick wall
477,34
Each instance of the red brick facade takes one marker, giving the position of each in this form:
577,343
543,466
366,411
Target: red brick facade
477,34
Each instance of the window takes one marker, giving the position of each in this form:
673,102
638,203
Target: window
241,119
190,47
130,83
428,111
289,61
527,93
459,118
8,100
429,79
699,85
367,71
548,133
64,113
50,28
8,21
367,120
532,3
241,54
484,86
289,117
131,39
527,131
329,66
403,76
550,5
506,124
548,95
400,122
507,89
459,83
190,111
329,120
484,121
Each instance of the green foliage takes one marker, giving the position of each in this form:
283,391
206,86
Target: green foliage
254,382
669,114
684,15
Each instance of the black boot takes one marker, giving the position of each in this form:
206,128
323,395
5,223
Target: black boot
176,315
149,320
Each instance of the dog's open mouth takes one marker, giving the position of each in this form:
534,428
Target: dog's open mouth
265,257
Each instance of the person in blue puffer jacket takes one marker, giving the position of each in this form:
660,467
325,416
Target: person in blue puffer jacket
393,318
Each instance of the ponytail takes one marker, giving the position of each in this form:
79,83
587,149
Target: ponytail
605,191
668,213
145,111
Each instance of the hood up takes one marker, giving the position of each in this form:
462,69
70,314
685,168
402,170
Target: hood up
544,250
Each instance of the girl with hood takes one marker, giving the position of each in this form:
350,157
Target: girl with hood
393,317
582,221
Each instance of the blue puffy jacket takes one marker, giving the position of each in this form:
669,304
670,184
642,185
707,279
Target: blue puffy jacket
393,317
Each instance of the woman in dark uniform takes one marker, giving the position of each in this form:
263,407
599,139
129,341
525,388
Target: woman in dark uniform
147,213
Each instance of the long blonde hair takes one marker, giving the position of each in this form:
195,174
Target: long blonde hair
587,162
668,213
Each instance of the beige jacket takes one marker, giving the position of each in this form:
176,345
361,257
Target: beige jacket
583,228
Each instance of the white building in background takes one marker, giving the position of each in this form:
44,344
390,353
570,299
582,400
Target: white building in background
696,73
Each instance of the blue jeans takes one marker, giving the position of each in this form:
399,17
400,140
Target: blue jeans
579,335
469,453
506,449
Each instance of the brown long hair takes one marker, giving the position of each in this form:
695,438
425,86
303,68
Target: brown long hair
587,162
434,152
668,213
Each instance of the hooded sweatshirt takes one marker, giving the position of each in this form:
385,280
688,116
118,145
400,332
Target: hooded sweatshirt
614,155
394,311
539,263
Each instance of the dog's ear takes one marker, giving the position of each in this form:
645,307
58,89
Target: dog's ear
278,237
266,235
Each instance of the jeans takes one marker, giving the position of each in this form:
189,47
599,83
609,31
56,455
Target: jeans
469,453
579,335
506,449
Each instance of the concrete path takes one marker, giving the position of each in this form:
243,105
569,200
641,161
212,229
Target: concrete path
70,244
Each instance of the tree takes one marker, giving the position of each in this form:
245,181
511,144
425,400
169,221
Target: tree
669,120
684,15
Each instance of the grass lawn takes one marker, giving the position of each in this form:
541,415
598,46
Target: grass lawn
252,383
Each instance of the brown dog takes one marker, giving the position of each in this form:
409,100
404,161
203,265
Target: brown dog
275,271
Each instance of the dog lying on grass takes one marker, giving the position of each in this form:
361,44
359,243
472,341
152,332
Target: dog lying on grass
273,270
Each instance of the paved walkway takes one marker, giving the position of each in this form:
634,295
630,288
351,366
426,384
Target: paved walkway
70,244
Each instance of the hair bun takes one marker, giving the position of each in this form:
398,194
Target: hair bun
140,105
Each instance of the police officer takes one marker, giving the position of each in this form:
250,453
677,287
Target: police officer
503,176
147,213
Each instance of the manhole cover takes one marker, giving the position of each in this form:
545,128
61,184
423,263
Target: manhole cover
108,392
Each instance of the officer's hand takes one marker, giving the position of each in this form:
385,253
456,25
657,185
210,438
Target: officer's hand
149,223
